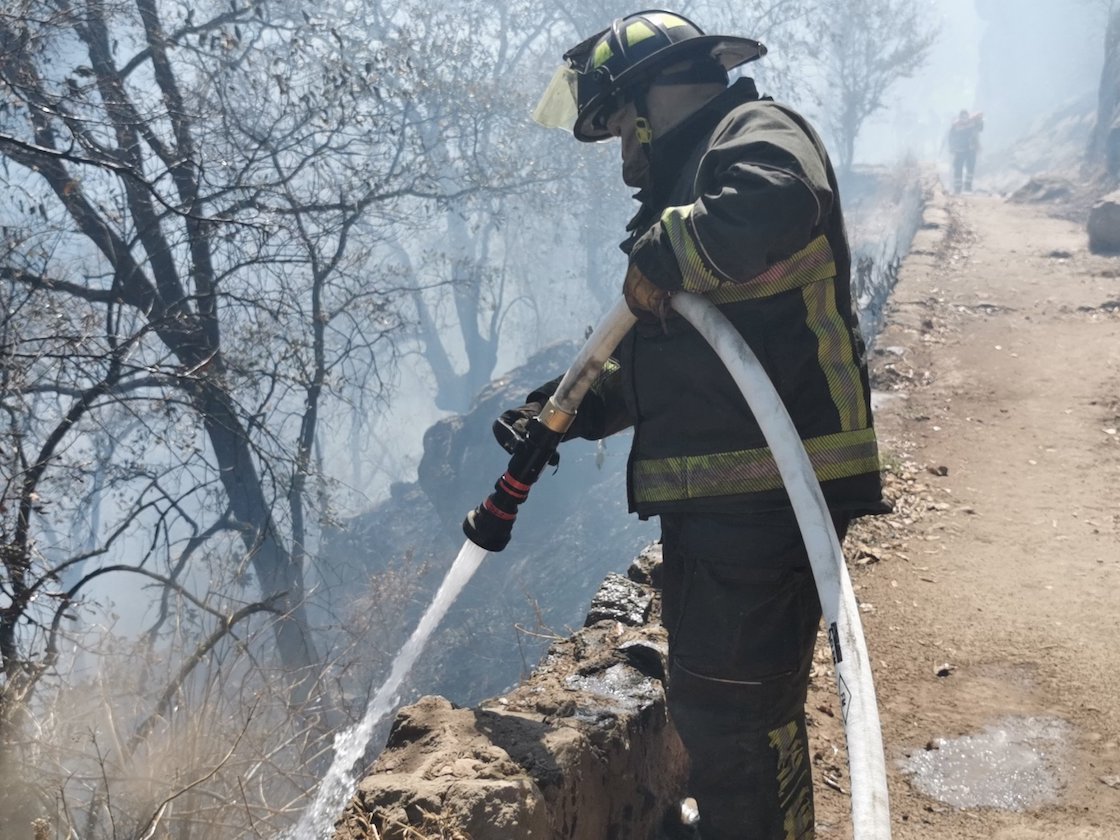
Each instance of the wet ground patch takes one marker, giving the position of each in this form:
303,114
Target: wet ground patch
1016,764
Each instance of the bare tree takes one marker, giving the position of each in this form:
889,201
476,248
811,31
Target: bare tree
863,48
482,149
154,237
181,282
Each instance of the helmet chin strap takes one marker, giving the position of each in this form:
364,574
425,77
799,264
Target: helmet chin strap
696,75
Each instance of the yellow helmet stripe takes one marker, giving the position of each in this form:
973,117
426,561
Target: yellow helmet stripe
638,32
602,54
666,20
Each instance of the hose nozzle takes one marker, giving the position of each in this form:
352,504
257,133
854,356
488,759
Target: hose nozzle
490,525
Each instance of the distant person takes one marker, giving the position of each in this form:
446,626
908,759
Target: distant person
964,143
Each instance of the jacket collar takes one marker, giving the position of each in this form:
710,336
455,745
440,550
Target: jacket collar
671,152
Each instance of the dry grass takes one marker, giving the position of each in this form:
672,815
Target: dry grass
360,826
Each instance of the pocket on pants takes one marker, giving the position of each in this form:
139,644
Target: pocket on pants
741,601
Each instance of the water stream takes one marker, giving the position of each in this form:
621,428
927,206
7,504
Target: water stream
350,744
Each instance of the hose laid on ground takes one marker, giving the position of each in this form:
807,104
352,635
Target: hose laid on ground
866,764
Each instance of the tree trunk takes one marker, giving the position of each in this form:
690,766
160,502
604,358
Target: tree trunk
280,577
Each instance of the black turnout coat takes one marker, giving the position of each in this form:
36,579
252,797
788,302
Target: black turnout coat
744,209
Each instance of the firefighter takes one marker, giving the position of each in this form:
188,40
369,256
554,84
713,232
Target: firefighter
738,202
964,144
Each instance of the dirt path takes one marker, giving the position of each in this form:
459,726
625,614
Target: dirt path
1001,570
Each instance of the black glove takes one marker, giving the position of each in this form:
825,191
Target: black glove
513,425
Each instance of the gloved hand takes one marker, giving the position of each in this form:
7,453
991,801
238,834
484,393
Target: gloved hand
513,425
645,298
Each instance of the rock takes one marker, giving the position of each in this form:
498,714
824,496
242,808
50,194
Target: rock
866,555
620,599
585,741
648,657
451,773
1042,189
1104,225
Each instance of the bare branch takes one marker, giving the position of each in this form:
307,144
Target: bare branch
189,665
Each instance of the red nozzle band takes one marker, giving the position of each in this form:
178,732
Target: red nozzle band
496,511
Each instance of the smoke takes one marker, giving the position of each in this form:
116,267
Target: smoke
1017,61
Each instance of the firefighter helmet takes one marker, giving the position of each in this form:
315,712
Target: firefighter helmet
600,72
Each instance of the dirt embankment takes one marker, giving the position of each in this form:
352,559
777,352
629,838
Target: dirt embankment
989,598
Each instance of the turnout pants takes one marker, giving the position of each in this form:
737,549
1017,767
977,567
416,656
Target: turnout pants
741,608
963,165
